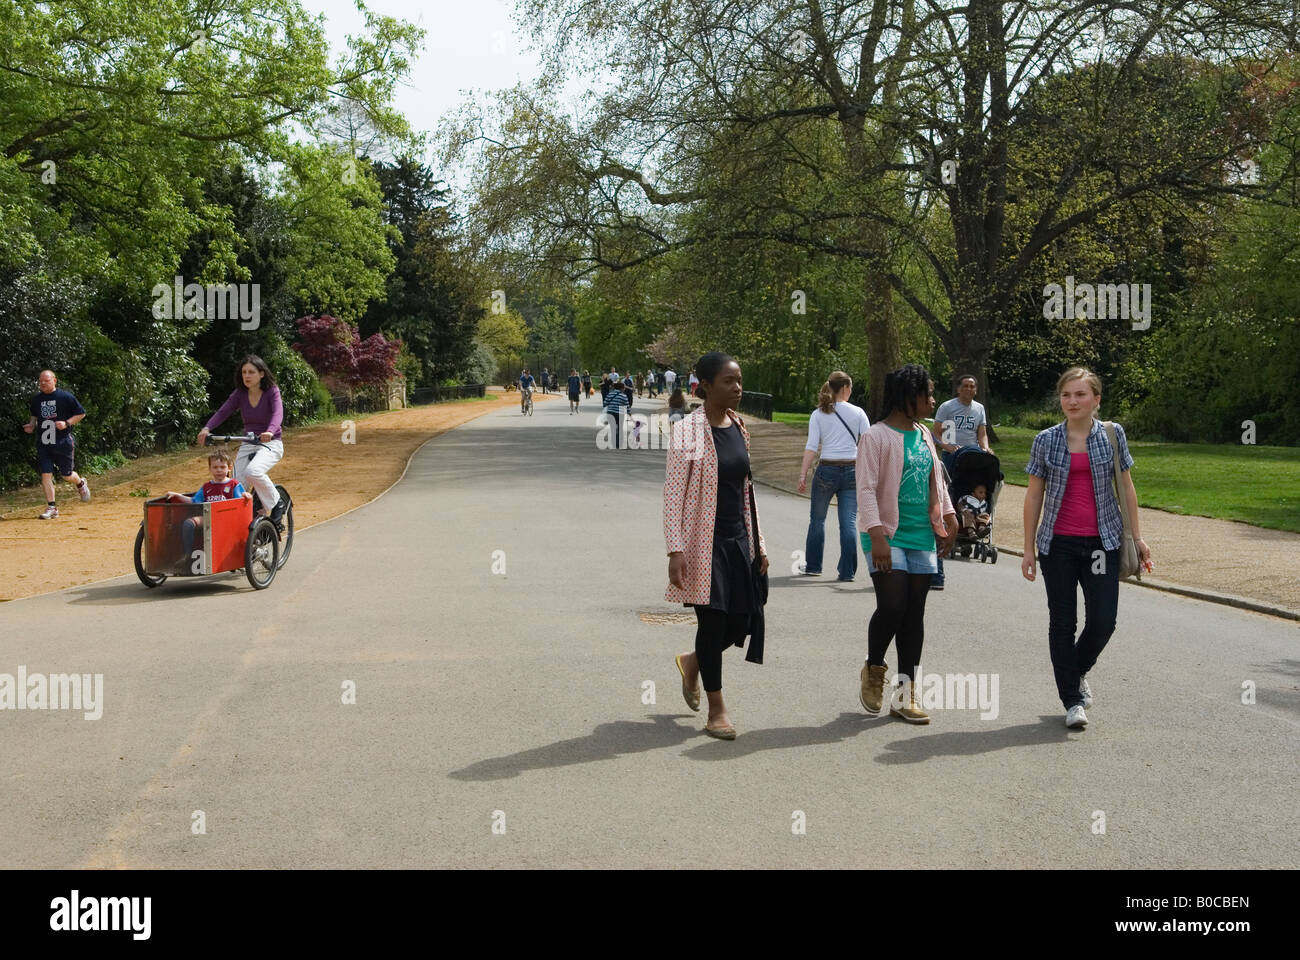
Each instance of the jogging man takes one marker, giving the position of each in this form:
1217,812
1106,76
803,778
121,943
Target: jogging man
54,413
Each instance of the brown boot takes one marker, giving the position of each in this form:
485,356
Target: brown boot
905,706
872,689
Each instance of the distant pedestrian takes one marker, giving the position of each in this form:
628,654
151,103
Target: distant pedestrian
959,423
676,406
713,534
1072,484
54,413
640,384
575,390
546,381
670,380
694,382
903,505
586,383
618,403
834,430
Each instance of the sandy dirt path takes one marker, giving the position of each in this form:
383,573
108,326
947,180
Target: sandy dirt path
327,477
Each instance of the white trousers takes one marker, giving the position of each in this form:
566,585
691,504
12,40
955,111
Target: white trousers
251,466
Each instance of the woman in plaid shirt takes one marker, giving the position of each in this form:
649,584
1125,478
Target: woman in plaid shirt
1071,471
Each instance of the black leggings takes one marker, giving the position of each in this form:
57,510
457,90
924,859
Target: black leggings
900,611
717,630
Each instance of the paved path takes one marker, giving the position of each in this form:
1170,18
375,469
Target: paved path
522,692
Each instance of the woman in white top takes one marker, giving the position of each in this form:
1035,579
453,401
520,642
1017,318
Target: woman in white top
833,430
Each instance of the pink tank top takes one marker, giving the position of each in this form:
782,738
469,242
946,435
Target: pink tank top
1078,514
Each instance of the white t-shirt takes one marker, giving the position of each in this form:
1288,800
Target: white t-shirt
670,378
827,433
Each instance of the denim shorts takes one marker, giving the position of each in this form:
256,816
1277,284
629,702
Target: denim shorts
903,560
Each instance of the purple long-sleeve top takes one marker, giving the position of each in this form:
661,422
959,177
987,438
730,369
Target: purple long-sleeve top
266,417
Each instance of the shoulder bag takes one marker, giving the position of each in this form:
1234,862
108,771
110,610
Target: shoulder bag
846,426
1129,562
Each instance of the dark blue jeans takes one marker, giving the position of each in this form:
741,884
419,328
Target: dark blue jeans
1070,563
841,482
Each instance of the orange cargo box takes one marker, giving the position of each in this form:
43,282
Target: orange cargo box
194,539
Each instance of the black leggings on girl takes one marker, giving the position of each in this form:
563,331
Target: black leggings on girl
900,612
717,630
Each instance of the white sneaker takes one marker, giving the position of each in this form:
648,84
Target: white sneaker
84,490
1075,718
50,513
1085,691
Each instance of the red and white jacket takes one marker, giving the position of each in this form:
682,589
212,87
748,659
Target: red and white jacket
691,503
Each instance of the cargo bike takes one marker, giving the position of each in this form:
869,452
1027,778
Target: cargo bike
203,539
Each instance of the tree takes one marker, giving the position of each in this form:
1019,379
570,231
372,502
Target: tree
901,89
335,349
431,300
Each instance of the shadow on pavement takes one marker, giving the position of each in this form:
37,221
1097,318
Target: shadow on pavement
966,743
843,727
807,583
136,592
1282,697
607,742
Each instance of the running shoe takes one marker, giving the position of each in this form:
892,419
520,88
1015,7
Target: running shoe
50,513
83,489
1075,718
1085,691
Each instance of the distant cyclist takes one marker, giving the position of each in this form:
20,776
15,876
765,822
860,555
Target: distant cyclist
526,384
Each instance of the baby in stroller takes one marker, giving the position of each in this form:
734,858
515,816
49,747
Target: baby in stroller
974,485
973,512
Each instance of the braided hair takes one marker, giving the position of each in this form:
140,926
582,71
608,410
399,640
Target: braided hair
902,387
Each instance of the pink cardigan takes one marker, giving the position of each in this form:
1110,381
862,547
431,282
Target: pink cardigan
691,503
880,472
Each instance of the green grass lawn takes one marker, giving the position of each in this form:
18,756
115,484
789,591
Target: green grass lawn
1253,484
791,418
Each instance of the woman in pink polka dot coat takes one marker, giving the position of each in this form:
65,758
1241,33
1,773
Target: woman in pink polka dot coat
710,533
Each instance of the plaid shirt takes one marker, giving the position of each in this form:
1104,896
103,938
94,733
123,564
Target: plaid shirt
1049,458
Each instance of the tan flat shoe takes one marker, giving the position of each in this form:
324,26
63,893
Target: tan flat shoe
721,733
692,697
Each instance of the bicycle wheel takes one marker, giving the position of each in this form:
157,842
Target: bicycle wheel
145,578
261,553
286,545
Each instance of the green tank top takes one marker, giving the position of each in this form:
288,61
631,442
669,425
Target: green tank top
914,531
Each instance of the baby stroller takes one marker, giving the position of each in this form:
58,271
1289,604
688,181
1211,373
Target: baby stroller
972,466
